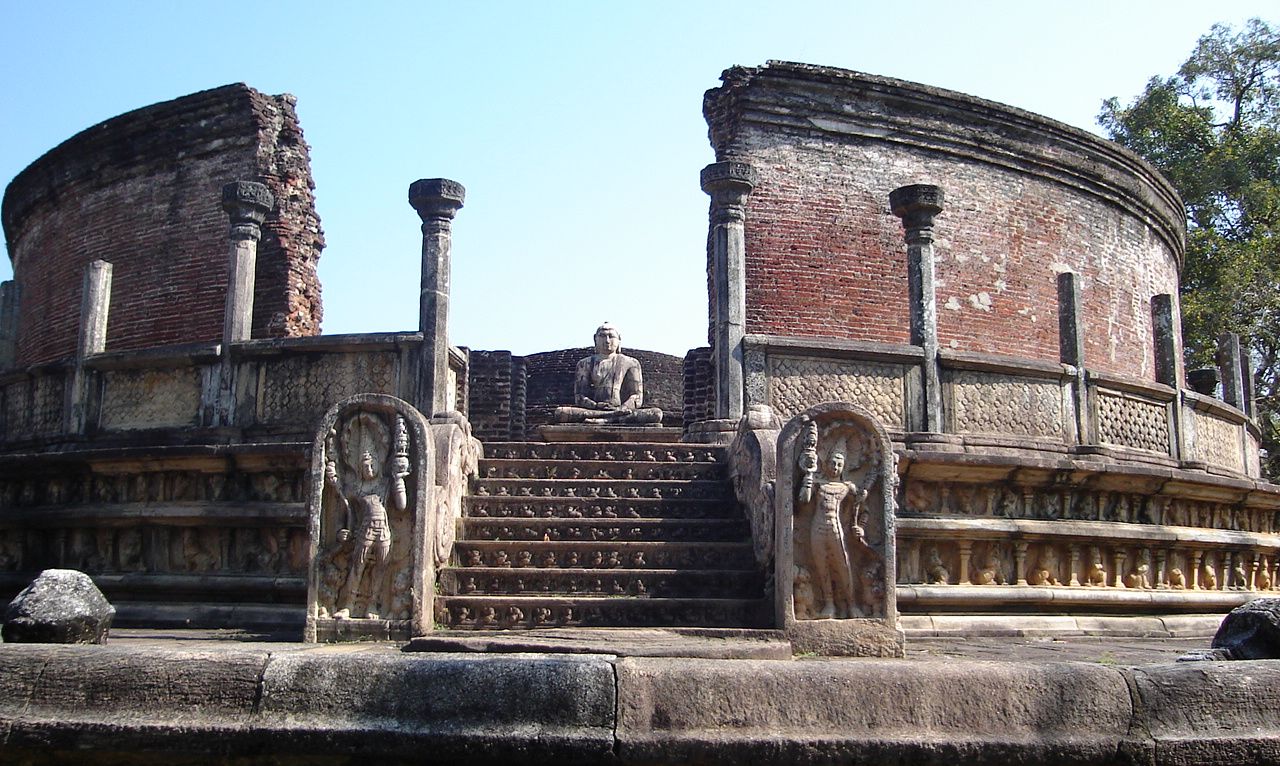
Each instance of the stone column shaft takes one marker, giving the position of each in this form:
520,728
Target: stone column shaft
436,201
1230,365
8,324
1071,348
916,205
95,303
728,183
247,204
1166,331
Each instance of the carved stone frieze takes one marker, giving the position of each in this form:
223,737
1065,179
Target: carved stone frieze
134,399
798,383
834,550
295,388
990,403
1127,421
34,407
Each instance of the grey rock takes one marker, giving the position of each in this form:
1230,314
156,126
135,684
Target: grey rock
61,606
1250,632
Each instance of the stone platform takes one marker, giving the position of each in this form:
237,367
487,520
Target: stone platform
192,698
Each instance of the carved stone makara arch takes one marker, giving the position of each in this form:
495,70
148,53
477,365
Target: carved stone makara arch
372,521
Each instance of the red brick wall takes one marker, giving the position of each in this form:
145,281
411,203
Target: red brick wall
1025,200
142,191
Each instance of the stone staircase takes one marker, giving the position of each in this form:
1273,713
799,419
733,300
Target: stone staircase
602,535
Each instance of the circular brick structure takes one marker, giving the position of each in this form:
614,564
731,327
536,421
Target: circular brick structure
141,191
1027,199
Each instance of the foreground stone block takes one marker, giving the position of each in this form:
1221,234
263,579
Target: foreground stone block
886,711
1250,632
61,606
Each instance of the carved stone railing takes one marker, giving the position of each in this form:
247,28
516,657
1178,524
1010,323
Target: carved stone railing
997,404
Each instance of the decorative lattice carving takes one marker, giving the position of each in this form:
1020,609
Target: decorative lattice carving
1130,422
133,399
1217,442
1005,404
296,388
34,407
800,383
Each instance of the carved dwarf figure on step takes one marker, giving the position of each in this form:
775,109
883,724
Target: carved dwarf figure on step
608,388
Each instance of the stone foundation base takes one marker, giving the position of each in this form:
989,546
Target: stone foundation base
845,638
327,631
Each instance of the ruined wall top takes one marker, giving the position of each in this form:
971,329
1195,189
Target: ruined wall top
141,191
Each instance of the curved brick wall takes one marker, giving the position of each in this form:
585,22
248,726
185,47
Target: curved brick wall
1026,198
142,191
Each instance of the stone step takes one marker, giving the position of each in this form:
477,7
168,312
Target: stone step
599,469
604,555
604,451
650,583
506,506
524,612
604,489
602,529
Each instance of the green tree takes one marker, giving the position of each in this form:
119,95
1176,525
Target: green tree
1214,130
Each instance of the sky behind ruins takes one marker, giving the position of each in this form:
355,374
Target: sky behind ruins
576,127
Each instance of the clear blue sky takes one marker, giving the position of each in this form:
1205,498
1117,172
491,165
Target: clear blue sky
576,127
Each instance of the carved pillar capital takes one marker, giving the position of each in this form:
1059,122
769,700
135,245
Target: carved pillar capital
916,205
436,200
728,183
247,204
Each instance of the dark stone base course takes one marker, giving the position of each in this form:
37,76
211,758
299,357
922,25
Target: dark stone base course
283,704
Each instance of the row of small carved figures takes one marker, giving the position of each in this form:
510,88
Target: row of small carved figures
622,473
599,586
705,558
259,550
1097,567
481,510
666,532
714,491
580,453
926,499
155,487
512,616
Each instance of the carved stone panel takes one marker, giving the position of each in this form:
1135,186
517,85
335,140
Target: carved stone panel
798,383
990,403
1127,421
835,555
1217,442
371,505
294,389
34,407
133,399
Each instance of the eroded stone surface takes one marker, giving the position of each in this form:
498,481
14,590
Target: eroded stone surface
61,606
1250,632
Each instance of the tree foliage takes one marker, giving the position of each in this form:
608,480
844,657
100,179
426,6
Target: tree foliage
1213,129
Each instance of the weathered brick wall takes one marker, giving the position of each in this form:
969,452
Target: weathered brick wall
1026,198
142,191
699,385
490,395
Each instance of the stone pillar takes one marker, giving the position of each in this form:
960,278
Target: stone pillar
728,183
247,204
916,205
8,324
1165,329
1230,364
95,301
436,200
1071,348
